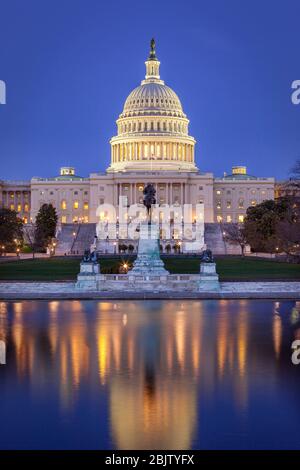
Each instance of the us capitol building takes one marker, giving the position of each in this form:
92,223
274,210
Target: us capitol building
152,144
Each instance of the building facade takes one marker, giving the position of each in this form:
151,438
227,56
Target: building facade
152,144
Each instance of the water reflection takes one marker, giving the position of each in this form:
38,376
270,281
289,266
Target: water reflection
154,372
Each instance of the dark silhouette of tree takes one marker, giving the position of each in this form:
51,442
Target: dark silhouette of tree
260,225
10,229
45,226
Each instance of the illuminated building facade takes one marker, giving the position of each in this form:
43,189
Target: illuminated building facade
152,144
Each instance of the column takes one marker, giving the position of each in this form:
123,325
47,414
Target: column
186,198
131,193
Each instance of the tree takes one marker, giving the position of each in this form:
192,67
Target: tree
168,248
260,226
288,231
123,247
295,170
291,187
235,235
45,226
10,229
130,248
29,236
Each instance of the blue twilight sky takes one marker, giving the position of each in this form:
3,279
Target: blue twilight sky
70,64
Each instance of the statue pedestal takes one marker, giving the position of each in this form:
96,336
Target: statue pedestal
87,278
148,262
209,279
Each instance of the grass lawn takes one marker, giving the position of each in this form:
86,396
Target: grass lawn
229,268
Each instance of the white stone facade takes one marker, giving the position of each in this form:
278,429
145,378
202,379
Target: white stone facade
152,145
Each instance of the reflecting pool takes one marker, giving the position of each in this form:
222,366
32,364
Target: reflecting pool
149,374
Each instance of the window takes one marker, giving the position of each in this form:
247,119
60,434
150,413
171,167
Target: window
228,204
51,192
219,218
25,220
26,208
85,206
12,207
63,219
19,208
141,188
200,188
218,204
228,191
228,218
63,205
241,218
241,203
76,204
218,192
11,195
253,202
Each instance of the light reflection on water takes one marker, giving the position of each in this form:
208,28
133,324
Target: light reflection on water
149,374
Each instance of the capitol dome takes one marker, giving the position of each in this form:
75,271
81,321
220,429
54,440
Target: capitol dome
152,128
153,98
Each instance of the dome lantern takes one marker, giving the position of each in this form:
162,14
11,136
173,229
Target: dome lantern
152,65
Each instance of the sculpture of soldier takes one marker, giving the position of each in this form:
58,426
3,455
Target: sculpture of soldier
149,199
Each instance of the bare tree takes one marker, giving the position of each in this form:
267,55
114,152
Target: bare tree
29,236
289,237
288,232
295,170
235,234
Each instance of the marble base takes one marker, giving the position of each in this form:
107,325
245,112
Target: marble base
209,279
148,261
87,278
